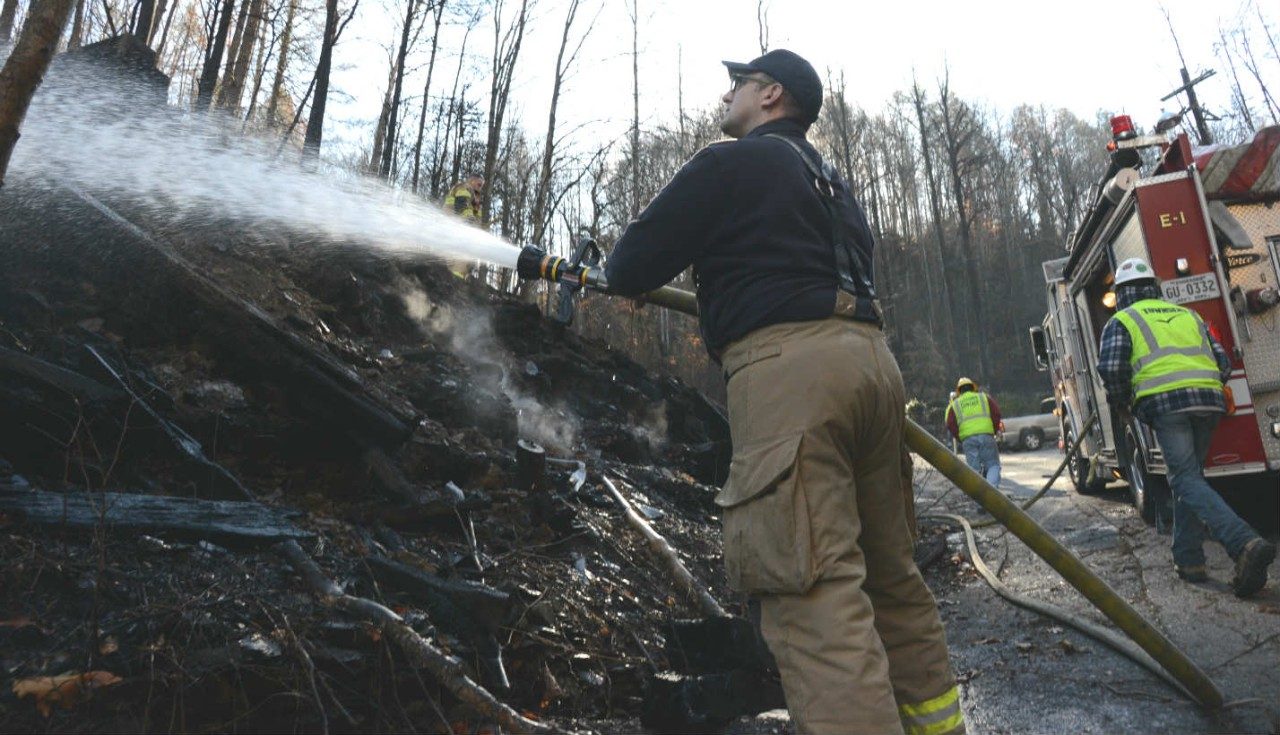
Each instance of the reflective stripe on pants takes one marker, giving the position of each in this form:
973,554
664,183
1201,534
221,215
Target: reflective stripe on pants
938,716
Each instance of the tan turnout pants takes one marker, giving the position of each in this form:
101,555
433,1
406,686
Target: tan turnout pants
819,523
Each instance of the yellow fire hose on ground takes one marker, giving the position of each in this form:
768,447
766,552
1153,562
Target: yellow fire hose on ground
536,264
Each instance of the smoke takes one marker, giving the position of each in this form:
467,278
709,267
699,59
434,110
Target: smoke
469,334
652,427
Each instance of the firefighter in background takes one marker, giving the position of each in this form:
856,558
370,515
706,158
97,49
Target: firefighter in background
818,515
465,198
1161,361
973,418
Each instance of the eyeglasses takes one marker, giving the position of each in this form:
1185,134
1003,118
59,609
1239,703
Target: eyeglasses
737,80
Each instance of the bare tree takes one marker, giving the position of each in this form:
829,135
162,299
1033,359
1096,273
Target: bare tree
232,92
380,129
24,69
960,131
282,63
8,11
541,216
406,41
1250,63
77,26
935,206
426,93
634,9
762,25
213,56
315,123
1237,90
146,18
506,50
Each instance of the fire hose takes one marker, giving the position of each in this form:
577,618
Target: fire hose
573,275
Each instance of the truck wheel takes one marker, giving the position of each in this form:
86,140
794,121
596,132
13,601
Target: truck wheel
1148,490
1078,469
1031,439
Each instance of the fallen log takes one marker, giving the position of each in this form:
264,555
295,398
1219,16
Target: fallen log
14,364
215,478
473,612
486,604
446,669
226,522
663,550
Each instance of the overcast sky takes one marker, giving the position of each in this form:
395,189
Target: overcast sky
1084,55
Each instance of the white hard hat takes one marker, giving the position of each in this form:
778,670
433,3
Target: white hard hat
1134,269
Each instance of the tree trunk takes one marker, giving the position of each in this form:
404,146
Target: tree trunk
935,207
8,11
441,152
426,96
260,70
213,58
315,123
277,85
77,27
240,55
540,216
25,68
956,141
380,130
174,9
162,7
146,19
388,151
506,50
635,105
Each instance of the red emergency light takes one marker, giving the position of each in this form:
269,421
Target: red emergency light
1122,127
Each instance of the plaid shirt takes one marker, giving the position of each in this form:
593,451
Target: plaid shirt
1117,373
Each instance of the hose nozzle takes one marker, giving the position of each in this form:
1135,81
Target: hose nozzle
535,264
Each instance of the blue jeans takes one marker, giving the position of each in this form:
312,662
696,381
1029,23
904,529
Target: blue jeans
1184,439
981,455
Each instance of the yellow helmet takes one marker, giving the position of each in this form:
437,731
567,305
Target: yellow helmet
963,382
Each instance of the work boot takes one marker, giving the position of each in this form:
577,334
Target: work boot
1194,574
1251,567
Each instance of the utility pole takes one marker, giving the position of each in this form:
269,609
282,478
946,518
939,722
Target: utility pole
1189,86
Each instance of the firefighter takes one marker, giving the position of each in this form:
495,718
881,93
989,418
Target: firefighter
1161,361
973,417
464,198
818,521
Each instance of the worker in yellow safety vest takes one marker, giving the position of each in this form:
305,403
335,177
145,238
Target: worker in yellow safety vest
1160,364
464,199
973,418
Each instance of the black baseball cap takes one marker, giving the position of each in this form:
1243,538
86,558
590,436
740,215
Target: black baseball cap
794,74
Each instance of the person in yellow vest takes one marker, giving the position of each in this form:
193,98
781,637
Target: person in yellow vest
464,198
973,418
1160,361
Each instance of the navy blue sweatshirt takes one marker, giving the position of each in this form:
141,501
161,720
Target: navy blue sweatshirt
745,214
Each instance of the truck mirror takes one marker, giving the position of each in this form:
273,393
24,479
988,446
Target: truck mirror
1040,348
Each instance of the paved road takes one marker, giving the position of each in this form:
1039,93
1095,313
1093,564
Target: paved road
1024,673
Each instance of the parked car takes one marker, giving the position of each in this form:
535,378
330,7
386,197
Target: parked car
1031,432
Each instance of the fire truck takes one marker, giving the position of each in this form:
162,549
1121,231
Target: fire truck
1208,221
